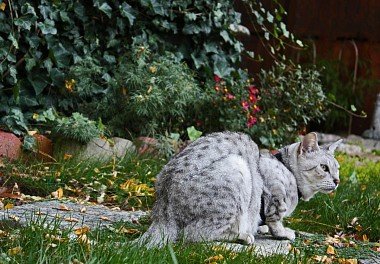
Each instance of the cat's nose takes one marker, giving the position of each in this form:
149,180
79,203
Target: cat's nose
336,181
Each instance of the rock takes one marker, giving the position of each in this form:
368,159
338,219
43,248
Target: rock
327,138
10,146
97,149
264,245
69,214
44,147
351,150
374,131
368,144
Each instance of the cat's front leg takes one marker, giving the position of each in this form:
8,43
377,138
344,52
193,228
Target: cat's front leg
278,230
275,213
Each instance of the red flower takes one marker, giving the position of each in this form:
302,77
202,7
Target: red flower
251,121
252,90
217,88
230,96
245,105
252,98
256,108
217,78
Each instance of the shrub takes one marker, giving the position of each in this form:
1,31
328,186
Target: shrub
291,97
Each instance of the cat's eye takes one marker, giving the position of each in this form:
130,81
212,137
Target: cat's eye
325,167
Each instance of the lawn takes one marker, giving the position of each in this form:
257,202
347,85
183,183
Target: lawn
346,222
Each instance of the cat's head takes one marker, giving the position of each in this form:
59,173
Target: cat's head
318,170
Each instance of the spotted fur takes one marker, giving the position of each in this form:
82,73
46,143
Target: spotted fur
221,188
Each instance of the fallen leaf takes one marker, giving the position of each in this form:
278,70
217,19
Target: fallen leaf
8,206
330,250
58,194
67,156
3,233
81,230
14,251
347,261
83,209
213,259
2,6
365,238
14,218
71,219
130,231
64,207
105,218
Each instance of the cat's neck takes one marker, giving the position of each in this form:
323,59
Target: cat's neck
288,156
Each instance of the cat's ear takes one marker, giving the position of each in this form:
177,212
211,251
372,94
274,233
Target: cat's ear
309,143
332,147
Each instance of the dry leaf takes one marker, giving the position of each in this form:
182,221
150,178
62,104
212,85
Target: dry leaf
347,261
63,207
3,233
83,209
67,156
330,250
14,251
71,219
365,238
124,230
8,206
58,194
81,230
14,218
105,218
3,6
213,259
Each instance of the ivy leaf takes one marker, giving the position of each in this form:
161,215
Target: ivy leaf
226,36
15,121
106,9
13,40
23,22
127,11
30,143
38,81
30,63
193,133
221,67
47,27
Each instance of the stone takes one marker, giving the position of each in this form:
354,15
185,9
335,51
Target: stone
97,149
44,147
10,146
324,138
374,131
69,214
351,150
367,144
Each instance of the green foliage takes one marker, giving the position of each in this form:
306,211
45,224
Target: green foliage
148,95
291,97
338,84
46,45
76,127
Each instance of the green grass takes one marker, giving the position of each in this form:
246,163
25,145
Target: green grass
358,198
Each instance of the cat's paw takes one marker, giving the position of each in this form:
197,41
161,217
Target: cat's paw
285,233
288,234
247,238
264,229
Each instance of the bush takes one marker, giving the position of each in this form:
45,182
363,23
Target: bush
149,94
291,97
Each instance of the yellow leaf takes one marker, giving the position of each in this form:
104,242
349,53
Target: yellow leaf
347,261
67,156
2,6
14,251
63,207
81,230
8,206
71,220
330,250
58,194
365,238
105,218
213,259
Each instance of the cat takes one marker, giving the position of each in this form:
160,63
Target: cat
220,187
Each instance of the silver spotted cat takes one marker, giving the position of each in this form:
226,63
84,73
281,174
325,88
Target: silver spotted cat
221,187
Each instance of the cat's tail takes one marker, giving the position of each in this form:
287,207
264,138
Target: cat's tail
158,235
